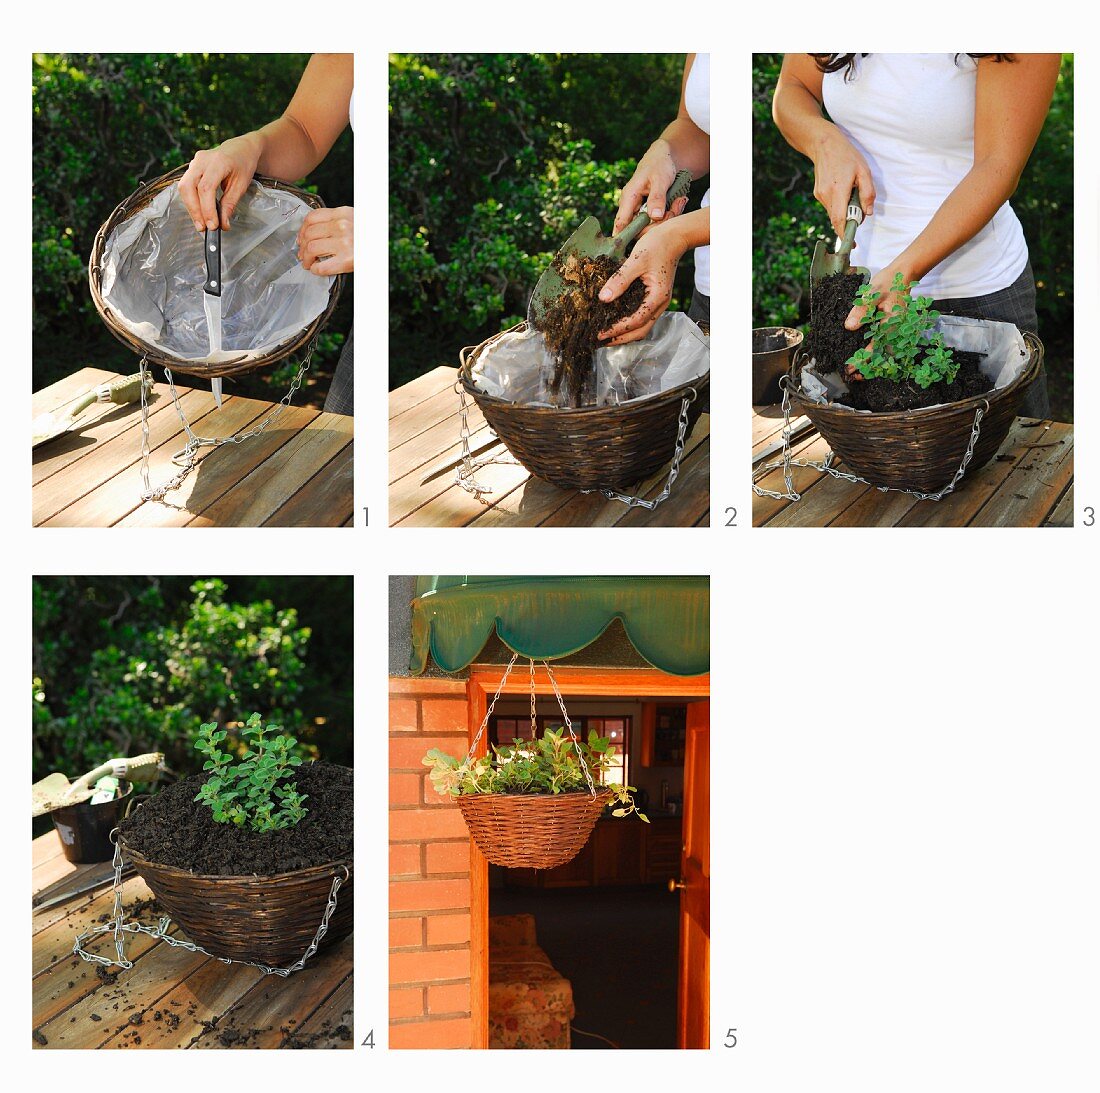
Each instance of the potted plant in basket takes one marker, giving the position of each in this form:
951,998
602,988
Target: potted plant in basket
533,804
252,857
930,409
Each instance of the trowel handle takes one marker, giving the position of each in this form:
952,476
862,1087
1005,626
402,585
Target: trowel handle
855,218
141,768
679,188
123,390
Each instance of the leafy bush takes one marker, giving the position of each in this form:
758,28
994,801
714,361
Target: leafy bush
147,684
902,345
104,122
551,764
494,160
254,791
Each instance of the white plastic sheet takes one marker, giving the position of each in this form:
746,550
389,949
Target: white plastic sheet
517,366
154,269
1004,357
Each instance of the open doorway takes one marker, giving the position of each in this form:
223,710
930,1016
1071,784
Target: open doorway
596,954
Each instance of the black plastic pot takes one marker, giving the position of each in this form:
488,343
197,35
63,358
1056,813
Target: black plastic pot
85,828
772,347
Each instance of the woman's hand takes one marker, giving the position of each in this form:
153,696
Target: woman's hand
653,262
838,169
888,298
231,166
650,183
326,241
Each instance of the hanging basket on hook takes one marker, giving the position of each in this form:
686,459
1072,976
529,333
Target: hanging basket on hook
148,277
537,828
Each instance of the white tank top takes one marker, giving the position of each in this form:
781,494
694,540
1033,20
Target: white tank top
697,103
911,115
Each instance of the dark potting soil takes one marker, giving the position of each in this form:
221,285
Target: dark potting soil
829,343
884,395
571,327
174,829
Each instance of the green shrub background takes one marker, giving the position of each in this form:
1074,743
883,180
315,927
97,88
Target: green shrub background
127,665
103,122
494,160
787,221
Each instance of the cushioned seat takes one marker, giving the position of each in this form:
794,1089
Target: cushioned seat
530,1002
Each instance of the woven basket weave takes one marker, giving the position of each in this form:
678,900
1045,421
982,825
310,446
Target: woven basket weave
202,369
270,920
917,449
532,831
592,447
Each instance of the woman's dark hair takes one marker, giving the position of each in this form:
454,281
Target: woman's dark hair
834,62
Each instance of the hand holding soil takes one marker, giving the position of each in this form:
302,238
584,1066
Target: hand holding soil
652,262
231,166
326,241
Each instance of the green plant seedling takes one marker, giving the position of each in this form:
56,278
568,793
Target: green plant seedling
253,792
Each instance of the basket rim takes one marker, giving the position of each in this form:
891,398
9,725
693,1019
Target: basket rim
326,868
600,792
135,201
890,417
469,354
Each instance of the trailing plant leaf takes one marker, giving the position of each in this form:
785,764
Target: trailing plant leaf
254,791
903,344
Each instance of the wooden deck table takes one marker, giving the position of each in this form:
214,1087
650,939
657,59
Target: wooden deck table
424,438
297,473
1029,483
170,997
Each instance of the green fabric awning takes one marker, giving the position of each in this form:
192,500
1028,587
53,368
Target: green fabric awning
667,619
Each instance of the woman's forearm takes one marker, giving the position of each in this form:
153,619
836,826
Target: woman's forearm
690,229
688,145
797,115
286,150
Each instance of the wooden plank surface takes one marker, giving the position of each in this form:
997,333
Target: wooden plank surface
1025,485
424,442
171,997
298,472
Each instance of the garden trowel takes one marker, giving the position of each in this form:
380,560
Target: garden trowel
589,242
121,391
838,260
56,791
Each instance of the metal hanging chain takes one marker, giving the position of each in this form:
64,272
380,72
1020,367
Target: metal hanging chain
468,467
534,719
826,465
489,711
187,457
673,471
119,927
569,726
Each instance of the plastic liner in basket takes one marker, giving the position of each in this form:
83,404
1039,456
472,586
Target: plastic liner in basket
153,274
1004,353
517,366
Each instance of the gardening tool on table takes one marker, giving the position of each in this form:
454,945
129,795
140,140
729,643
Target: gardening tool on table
589,242
55,790
838,260
125,389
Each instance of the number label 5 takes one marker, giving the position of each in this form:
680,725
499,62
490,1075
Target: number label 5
731,1038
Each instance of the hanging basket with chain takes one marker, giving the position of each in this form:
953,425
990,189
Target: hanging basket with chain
205,306
531,830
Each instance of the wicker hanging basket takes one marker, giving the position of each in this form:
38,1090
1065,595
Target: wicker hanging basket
269,920
587,448
916,449
137,201
532,831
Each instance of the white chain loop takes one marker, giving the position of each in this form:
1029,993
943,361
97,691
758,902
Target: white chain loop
187,457
569,726
489,711
826,465
119,928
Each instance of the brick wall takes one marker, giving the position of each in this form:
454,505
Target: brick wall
430,964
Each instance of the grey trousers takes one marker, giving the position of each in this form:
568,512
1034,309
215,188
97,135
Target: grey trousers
699,311
341,397
1015,304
